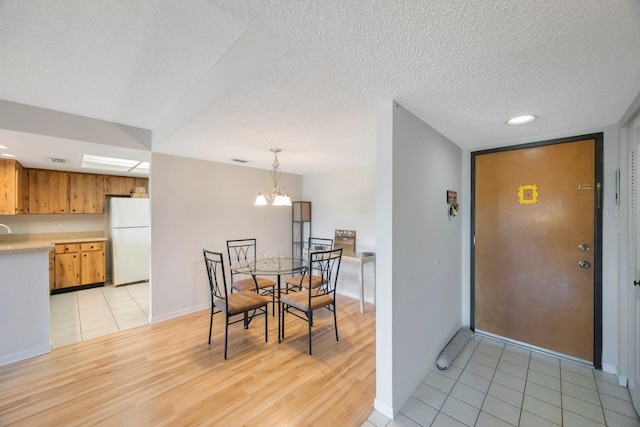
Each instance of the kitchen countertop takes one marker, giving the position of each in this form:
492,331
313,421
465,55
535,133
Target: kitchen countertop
82,240
22,246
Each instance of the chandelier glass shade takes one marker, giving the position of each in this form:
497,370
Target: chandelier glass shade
278,196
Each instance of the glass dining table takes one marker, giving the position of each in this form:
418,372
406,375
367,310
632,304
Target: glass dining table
272,266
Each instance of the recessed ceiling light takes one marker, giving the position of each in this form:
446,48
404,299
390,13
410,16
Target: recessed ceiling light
2,147
8,155
520,120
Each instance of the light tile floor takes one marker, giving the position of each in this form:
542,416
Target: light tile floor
82,315
495,384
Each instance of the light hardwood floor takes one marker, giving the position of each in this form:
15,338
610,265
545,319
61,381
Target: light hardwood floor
166,374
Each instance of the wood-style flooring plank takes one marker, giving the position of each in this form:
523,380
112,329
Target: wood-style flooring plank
166,374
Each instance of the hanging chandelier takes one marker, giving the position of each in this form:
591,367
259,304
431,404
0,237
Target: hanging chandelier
276,195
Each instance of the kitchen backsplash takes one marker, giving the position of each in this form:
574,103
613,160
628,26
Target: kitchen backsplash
51,223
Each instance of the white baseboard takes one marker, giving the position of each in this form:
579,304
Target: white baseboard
383,408
26,354
609,369
178,313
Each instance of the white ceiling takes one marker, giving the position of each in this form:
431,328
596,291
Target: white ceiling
464,67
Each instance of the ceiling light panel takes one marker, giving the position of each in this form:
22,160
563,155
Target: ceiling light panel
108,163
142,167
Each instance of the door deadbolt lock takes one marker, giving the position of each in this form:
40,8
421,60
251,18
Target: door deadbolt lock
584,247
584,264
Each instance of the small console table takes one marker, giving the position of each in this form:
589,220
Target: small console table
361,258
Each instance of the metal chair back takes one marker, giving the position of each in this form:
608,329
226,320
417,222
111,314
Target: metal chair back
241,253
325,264
317,244
217,277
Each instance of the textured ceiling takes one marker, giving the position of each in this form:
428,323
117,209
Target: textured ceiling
464,67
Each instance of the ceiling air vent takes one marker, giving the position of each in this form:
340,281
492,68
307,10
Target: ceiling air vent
57,160
240,161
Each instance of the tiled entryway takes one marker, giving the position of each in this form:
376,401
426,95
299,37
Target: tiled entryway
493,384
82,315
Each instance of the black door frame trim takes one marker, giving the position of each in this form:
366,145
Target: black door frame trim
598,206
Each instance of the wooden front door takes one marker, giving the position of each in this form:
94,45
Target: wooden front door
535,251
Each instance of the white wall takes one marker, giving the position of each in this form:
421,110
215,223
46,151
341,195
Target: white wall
345,200
197,204
610,234
425,265
384,401
24,306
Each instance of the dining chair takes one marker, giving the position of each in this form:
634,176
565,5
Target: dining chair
316,244
242,252
231,304
327,265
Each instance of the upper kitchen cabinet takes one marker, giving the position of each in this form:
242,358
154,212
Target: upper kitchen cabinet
14,188
22,179
48,191
86,193
124,185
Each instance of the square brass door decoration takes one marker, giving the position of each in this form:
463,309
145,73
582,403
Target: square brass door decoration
528,194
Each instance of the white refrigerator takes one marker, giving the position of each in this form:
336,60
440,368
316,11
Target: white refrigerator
129,224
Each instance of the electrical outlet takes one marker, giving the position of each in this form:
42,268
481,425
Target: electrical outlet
56,224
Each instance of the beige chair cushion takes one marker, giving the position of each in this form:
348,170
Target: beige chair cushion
249,285
241,302
316,281
300,300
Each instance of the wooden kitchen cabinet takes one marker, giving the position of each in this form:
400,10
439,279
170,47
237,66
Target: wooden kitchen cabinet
52,269
91,263
67,266
14,188
22,185
119,185
86,193
124,185
78,264
48,191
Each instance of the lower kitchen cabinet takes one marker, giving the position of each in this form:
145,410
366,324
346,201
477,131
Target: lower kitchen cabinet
91,263
78,264
52,269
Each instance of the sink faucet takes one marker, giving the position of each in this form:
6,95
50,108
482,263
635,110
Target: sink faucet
7,227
